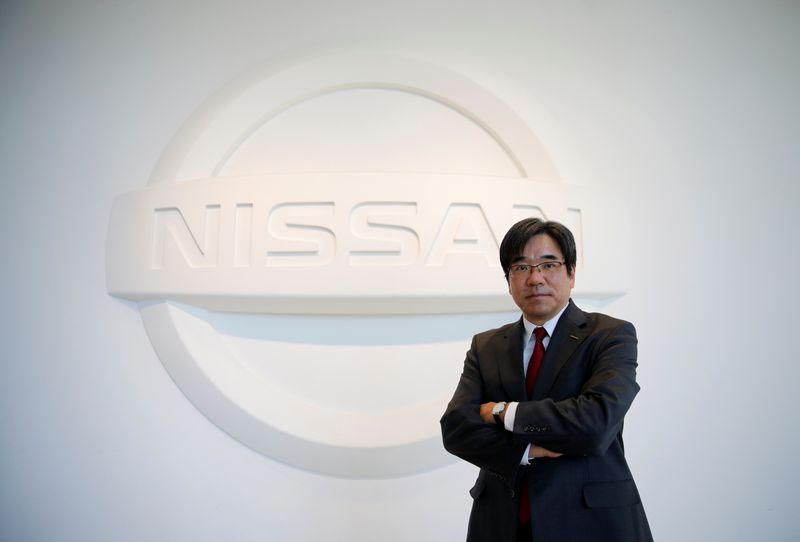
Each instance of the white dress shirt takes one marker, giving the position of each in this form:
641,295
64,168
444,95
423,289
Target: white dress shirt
530,341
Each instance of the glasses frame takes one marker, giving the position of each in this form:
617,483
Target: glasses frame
516,270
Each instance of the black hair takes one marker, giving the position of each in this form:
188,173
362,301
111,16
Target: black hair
520,233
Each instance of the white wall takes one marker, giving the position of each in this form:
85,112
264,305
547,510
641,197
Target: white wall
688,109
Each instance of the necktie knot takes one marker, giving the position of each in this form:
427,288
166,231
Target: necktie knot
540,333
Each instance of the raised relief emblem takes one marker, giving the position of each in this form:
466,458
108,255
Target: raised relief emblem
310,240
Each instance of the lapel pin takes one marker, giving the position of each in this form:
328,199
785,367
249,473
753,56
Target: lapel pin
574,337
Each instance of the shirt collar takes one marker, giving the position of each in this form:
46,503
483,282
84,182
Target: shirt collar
548,326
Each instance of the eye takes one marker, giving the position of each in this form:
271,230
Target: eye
522,268
549,266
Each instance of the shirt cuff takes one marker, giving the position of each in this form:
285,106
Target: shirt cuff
508,417
526,459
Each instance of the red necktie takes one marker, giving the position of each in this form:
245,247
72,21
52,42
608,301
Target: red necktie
535,362
534,365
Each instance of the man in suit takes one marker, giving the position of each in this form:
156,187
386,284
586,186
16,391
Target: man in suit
540,408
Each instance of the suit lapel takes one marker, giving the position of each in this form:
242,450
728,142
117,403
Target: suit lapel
568,335
509,359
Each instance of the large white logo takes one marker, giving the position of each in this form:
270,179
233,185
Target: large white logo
309,231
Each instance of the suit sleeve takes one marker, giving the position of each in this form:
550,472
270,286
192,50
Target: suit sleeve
467,436
588,422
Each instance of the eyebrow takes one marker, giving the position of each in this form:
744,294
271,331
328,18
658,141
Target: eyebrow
543,257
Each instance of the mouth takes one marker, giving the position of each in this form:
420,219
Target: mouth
536,296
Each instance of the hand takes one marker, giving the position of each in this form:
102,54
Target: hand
538,452
486,412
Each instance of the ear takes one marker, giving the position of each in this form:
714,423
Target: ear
572,278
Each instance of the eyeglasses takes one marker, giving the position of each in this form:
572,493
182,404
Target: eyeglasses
524,270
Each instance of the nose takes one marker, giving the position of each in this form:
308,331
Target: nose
535,277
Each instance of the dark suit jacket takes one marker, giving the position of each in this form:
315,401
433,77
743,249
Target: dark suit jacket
585,386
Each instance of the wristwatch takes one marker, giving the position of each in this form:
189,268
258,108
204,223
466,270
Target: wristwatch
498,409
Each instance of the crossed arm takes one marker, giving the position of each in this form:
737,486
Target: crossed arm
582,418
535,452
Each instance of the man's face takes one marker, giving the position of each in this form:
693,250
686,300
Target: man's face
540,296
